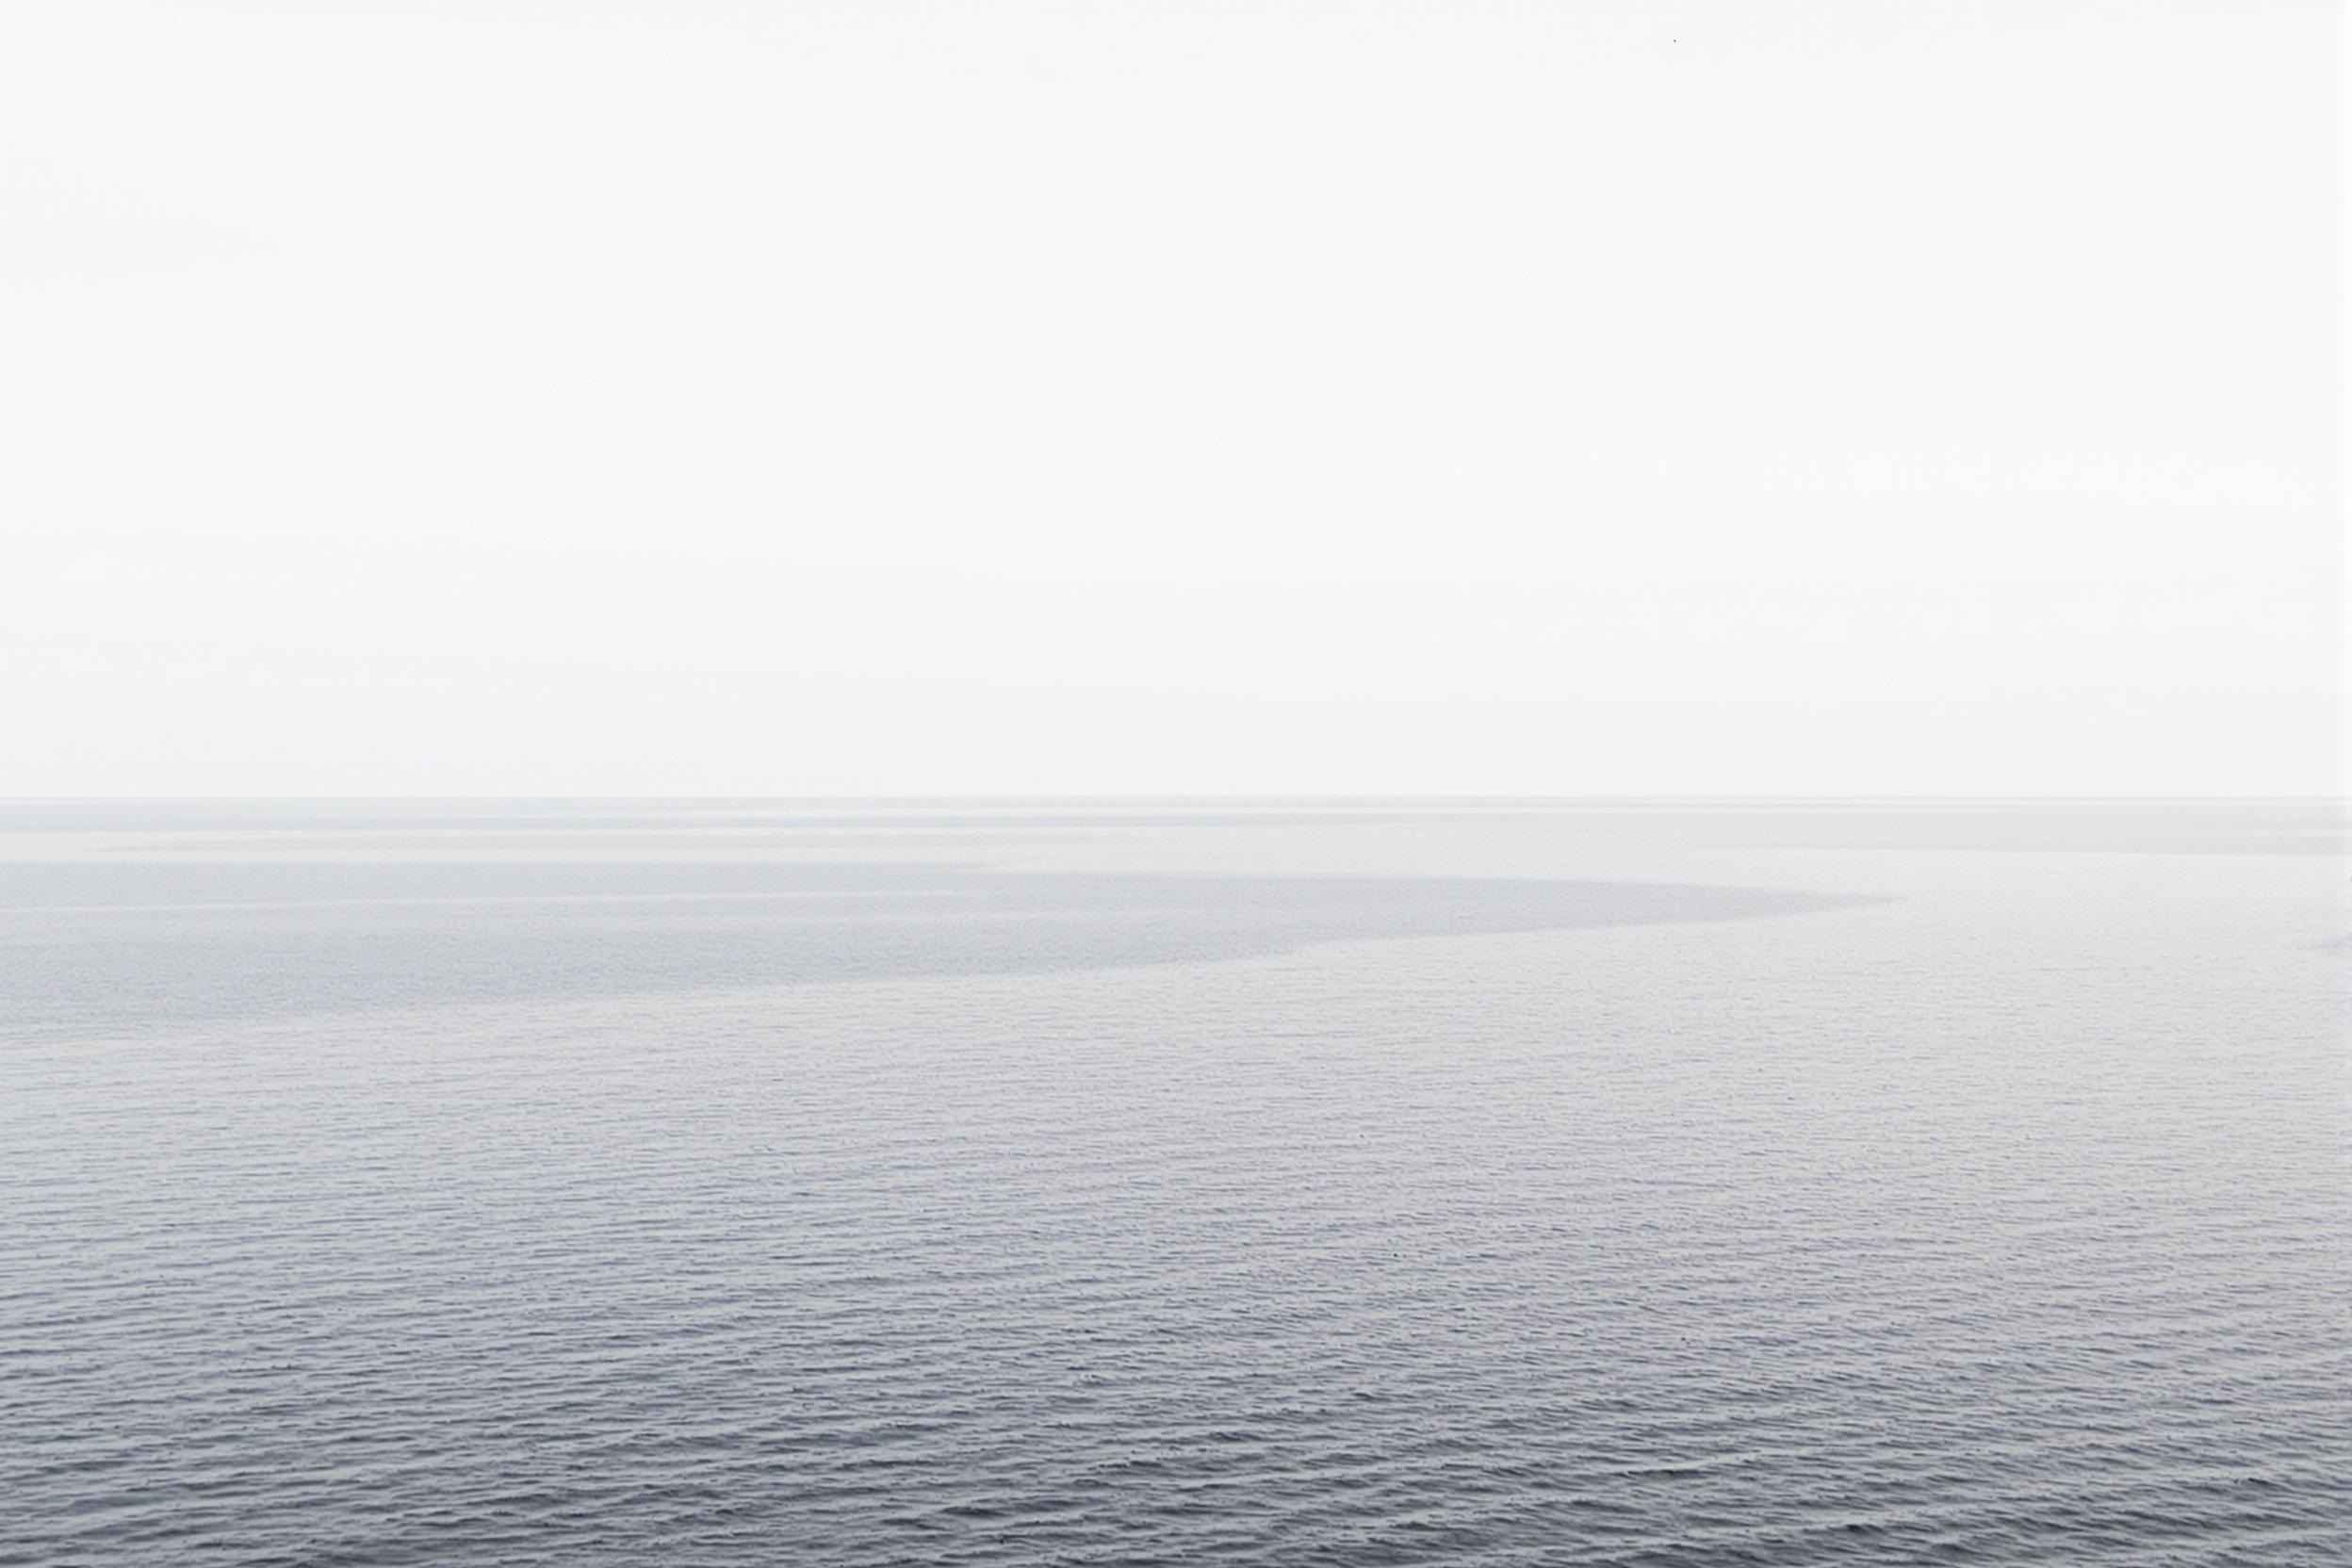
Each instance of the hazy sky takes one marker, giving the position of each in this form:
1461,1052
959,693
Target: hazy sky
992,396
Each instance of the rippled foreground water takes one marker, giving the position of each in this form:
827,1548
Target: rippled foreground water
729,1182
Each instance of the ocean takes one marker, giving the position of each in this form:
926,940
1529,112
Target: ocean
1170,1182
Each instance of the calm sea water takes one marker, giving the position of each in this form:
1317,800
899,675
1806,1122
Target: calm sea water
1173,1183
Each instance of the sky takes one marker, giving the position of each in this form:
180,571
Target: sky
873,397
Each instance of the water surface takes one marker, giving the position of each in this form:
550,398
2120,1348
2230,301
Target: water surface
1172,1182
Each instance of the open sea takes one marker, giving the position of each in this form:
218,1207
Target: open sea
1174,1183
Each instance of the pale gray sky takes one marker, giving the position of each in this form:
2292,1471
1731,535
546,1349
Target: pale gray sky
997,397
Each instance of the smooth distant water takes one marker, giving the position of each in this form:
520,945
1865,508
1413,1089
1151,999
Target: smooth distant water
1173,1183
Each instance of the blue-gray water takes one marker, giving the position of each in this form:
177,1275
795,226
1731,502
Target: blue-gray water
1172,1182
